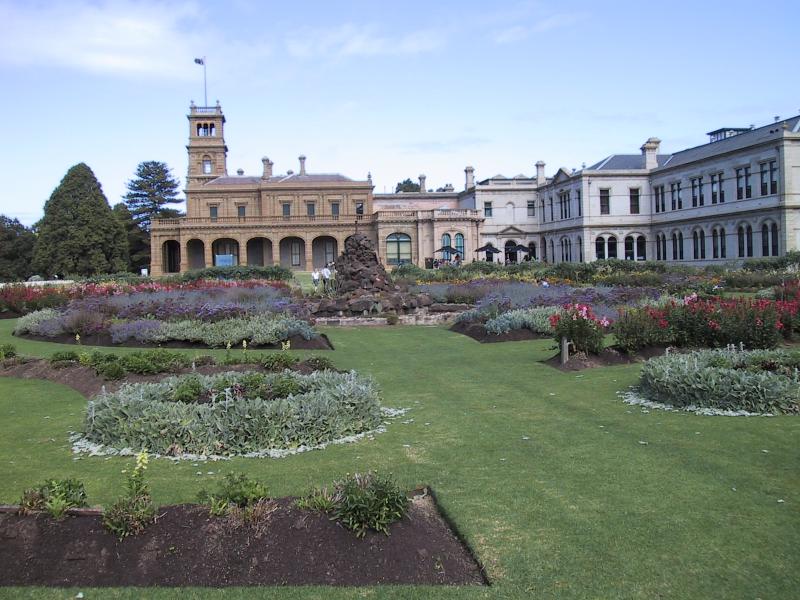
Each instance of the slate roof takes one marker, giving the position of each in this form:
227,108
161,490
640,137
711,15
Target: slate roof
293,178
625,162
736,142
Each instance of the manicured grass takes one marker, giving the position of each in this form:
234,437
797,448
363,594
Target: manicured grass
580,509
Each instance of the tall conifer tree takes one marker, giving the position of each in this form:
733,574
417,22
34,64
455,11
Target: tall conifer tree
16,250
79,234
149,193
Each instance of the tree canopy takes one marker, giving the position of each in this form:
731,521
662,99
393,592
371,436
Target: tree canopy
16,250
138,239
406,186
79,234
149,193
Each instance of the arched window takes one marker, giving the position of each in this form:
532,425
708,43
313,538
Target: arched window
641,248
612,247
460,245
775,245
765,240
702,244
723,252
674,246
532,250
580,250
445,243
740,235
680,245
658,246
600,248
552,249
207,165
544,249
663,246
714,243
398,249
629,248
749,239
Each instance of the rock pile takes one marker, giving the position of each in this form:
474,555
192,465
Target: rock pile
358,267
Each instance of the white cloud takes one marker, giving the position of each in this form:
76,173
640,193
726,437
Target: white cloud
518,33
142,39
348,40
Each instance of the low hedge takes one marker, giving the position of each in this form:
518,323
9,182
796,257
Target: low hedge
234,413
535,319
273,272
758,381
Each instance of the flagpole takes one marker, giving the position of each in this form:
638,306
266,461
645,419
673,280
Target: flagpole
205,83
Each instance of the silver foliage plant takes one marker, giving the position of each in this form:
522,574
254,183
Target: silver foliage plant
758,381
328,406
535,319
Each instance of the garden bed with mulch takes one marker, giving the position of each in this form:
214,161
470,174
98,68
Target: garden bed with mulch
477,331
188,547
87,382
609,357
298,342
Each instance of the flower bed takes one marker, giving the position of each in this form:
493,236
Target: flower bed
214,315
234,413
759,381
714,322
536,320
578,324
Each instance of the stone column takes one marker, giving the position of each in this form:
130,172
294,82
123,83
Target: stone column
184,246
309,254
208,257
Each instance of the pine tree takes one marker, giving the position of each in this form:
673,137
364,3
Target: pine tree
150,191
16,250
79,234
138,239
406,186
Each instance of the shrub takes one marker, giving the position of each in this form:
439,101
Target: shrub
392,319
279,361
111,370
131,513
360,502
761,381
578,324
535,319
64,356
7,351
33,322
274,272
147,362
637,328
236,490
320,363
234,413
55,496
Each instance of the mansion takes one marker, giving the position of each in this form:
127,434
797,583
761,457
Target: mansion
735,197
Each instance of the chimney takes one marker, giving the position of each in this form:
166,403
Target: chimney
540,177
470,179
267,168
650,152
422,187
302,160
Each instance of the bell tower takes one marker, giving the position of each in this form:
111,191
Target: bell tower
207,149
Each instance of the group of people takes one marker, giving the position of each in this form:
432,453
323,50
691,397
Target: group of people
454,262
326,274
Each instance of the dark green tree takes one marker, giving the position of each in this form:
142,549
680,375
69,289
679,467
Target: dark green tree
149,193
16,250
79,234
138,239
406,186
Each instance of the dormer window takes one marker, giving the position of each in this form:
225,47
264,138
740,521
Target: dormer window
207,165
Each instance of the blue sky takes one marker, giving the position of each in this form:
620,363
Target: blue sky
396,89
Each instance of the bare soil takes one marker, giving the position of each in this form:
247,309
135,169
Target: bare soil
87,382
298,342
477,331
186,546
608,357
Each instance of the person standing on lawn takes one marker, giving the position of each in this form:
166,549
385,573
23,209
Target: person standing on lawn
315,279
326,278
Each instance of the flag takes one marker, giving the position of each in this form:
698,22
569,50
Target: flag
200,61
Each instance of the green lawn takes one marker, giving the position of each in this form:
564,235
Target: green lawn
581,509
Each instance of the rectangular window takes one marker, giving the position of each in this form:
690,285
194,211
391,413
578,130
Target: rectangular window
295,253
700,197
335,209
213,211
578,201
359,208
721,189
487,209
773,178
634,198
605,202
531,208
552,218
673,195
748,189
661,198
714,189
694,192
680,197
287,209
311,209
241,211
764,173
739,184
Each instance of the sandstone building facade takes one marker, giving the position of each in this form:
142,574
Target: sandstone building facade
299,220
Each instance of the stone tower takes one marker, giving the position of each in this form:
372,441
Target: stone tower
207,149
